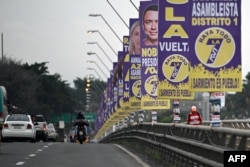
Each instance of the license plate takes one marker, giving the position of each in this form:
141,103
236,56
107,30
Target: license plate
17,127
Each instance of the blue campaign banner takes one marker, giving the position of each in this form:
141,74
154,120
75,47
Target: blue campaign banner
125,71
120,82
149,56
125,74
135,64
215,32
125,43
115,90
135,82
173,51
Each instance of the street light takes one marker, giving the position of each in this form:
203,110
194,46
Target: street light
97,15
93,31
134,5
93,53
90,61
97,87
91,43
95,72
117,13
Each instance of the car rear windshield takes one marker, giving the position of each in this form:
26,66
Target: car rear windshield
39,119
18,118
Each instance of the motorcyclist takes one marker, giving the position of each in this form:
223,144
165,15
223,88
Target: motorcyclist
80,121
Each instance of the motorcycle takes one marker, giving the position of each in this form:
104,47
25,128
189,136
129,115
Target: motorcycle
81,134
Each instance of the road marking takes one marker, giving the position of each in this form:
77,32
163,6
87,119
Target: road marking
32,155
144,164
20,163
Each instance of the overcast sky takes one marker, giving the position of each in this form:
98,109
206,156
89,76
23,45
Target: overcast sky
55,31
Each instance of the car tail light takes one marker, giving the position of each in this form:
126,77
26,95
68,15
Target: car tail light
5,126
29,126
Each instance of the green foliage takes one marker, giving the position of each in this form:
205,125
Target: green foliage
238,104
33,89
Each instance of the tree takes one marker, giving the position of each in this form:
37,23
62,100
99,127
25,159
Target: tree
238,104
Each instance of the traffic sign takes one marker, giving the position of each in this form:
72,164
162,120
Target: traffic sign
90,116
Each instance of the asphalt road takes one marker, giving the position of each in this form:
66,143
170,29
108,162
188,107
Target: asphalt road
61,154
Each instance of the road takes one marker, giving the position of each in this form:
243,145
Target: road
59,154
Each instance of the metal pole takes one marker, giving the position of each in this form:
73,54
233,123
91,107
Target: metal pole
91,53
95,72
101,49
134,5
95,15
104,40
2,46
101,69
117,14
98,88
111,28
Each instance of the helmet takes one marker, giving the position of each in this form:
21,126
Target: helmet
193,108
80,116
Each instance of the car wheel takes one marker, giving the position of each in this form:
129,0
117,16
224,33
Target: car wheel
32,140
45,138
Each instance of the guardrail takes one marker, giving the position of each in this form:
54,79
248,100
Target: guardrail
239,124
179,144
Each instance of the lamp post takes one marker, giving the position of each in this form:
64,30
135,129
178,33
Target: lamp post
93,31
134,5
93,53
90,61
99,15
117,13
98,87
101,49
95,72
2,46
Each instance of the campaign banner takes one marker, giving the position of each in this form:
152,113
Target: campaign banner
215,53
115,91
119,84
125,43
135,82
125,71
173,51
135,64
109,96
149,56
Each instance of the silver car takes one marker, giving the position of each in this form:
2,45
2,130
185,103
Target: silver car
18,126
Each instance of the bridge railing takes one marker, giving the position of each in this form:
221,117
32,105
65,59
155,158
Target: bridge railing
239,124
202,145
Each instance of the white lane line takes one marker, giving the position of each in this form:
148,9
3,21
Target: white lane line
32,155
144,164
20,163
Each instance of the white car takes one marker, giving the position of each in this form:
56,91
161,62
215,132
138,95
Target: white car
52,134
18,126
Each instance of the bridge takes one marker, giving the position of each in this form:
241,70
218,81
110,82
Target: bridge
185,145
